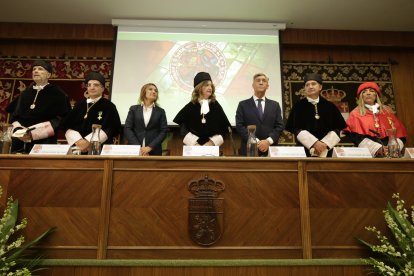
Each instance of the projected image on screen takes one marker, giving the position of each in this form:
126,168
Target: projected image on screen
193,57
171,60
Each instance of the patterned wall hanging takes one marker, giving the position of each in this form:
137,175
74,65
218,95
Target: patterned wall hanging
340,83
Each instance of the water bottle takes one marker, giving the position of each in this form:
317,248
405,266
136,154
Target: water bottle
251,141
95,146
392,146
5,138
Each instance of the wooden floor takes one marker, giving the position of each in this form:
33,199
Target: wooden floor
211,271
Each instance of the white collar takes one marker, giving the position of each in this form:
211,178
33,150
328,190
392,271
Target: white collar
39,87
373,108
205,108
313,101
89,100
147,107
255,98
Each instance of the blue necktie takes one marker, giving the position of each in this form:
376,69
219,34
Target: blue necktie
260,108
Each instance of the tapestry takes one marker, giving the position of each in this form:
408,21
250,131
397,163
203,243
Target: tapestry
68,73
340,83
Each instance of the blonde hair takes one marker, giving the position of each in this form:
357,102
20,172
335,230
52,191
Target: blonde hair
195,95
361,105
143,92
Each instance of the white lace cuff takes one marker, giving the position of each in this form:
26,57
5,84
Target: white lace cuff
102,136
372,146
306,139
331,139
72,136
217,140
190,139
42,130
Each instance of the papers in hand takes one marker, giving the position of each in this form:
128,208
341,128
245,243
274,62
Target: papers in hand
19,133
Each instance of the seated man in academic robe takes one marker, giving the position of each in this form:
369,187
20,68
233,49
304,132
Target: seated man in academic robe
94,110
37,112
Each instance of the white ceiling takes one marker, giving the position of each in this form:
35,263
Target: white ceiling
377,15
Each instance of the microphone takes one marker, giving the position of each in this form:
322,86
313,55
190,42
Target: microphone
30,129
231,140
376,133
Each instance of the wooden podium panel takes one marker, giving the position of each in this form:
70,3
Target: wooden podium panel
61,193
149,210
344,197
137,207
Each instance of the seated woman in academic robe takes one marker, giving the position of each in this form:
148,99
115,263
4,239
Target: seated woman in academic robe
369,122
203,121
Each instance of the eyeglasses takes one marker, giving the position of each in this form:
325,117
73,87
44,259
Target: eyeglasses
94,85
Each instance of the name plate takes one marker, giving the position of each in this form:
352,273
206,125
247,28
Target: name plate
409,153
201,151
121,150
50,149
351,152
287,152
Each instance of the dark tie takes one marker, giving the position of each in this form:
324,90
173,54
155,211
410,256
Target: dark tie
260,108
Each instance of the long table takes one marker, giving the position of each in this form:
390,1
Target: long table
137,207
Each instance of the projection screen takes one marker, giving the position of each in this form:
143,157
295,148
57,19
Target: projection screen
171,53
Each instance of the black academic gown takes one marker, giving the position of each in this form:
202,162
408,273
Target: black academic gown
189,118
302,117
52,104
103,112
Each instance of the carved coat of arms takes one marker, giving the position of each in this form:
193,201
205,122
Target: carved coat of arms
205,211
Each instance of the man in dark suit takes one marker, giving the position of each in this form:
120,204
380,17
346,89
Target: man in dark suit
262,112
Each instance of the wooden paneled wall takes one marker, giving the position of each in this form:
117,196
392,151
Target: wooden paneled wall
56,40
23,39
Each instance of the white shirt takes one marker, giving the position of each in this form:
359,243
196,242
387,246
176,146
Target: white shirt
257,102
313,101
147,111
